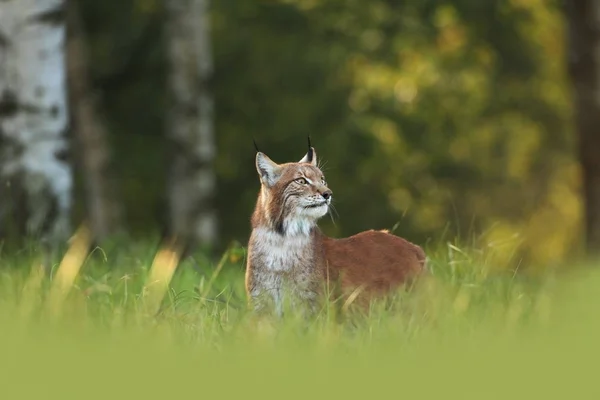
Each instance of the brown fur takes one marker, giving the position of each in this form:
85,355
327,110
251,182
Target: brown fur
374,262
288,254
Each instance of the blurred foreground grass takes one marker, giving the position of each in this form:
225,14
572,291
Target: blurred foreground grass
468,331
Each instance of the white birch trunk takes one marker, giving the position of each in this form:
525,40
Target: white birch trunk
33,116
192,180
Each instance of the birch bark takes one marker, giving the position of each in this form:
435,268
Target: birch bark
34,116
190,123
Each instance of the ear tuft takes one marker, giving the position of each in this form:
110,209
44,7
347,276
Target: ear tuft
267,169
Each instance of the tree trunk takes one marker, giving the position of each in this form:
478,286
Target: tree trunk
190,123
102,209
33,118
584,69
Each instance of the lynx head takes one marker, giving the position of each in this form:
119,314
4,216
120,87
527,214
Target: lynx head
293,196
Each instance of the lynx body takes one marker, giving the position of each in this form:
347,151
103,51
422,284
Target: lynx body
289,257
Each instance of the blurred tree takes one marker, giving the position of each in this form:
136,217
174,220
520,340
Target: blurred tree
434,116
102,208
584,68
127,67
439,118
192,181
36,178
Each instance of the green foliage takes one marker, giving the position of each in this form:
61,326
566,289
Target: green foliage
468,330
433,116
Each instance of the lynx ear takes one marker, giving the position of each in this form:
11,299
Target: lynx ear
310,157
268,170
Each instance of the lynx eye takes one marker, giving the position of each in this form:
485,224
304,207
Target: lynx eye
323,181
301,181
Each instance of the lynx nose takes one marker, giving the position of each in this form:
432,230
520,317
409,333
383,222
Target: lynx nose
326,194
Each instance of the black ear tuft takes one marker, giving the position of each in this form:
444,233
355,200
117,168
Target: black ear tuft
310,151
255,145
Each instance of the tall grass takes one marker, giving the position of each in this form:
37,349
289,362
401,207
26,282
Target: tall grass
123,323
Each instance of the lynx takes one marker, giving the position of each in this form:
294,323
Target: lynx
289,257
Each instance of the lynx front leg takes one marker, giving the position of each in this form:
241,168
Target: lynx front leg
267,295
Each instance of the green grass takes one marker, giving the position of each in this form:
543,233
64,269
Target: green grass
473,330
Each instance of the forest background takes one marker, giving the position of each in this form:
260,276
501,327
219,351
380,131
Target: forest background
436,119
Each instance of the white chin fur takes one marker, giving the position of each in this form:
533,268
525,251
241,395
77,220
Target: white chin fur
299,226
315,212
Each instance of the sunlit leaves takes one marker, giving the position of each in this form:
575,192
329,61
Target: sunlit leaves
434,113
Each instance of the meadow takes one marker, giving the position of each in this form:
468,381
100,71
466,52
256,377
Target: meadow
103,323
